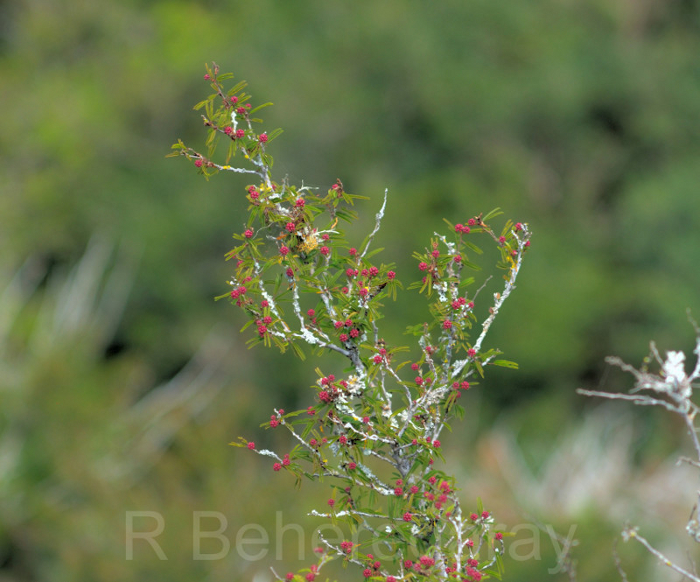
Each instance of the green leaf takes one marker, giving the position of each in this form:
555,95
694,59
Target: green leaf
505,364
495,212
259,107
473,247
243,443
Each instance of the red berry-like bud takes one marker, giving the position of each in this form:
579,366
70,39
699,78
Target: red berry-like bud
427,561
248,233
240,133
352,466
284,250
207,77
407,517
423,266
499,535
198,163
277,467
251,445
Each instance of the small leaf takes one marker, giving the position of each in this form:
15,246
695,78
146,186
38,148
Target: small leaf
505,364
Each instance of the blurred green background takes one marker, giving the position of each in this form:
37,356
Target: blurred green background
122,381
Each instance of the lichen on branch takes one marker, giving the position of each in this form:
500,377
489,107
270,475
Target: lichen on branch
372,434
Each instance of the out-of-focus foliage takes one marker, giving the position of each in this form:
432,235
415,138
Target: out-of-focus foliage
579,118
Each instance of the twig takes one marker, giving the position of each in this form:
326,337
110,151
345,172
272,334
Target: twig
631,533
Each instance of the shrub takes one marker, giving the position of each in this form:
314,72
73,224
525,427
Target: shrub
373,432
669,387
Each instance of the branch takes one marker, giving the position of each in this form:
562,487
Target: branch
631,533
639,399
